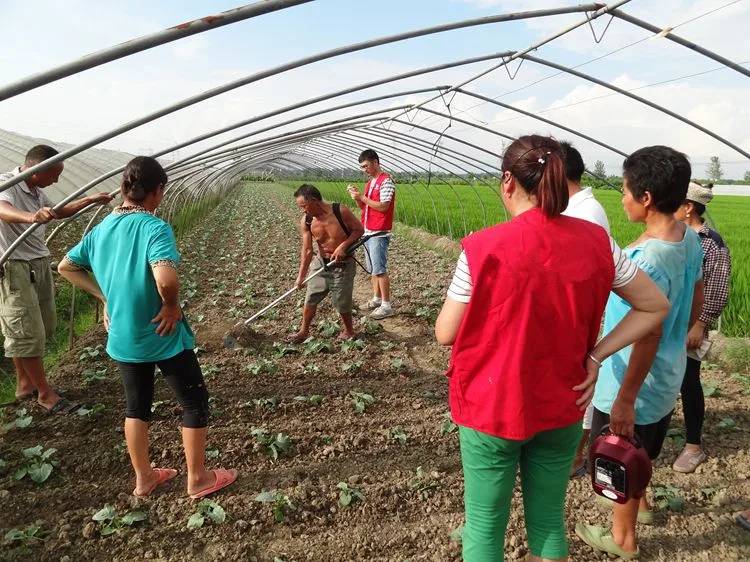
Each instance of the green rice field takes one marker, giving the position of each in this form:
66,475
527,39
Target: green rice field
456,210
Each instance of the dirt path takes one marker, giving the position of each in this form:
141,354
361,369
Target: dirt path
243,256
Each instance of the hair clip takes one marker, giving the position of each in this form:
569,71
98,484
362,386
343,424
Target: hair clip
542,160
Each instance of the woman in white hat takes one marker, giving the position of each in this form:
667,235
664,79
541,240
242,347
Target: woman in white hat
716,269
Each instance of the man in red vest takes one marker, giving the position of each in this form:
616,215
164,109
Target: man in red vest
377,204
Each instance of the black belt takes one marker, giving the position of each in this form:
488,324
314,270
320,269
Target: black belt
328,264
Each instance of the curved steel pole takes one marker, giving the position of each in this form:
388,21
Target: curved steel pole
680,41
291,66
644,101
143,43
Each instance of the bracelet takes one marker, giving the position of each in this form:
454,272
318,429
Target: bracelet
595,360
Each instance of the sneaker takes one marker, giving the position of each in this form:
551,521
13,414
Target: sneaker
687,462
372,304
383,311
600,538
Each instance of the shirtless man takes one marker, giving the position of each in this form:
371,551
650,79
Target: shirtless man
333,234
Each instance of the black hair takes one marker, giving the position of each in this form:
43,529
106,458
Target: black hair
142,175
369,154
574,166
39,154
661,171
699,208
537,164
308,192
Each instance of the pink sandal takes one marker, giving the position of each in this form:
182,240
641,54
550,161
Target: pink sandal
224,478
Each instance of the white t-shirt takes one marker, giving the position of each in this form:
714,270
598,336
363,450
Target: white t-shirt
460,289
583,205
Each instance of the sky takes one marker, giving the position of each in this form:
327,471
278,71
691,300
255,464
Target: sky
41,34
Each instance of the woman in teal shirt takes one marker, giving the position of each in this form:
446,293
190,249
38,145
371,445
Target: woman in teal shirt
133,257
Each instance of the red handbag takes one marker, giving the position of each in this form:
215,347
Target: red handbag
620,467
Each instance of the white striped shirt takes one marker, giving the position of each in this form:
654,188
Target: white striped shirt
461,285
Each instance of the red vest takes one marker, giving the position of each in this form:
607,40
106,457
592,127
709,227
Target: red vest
377,220
540,286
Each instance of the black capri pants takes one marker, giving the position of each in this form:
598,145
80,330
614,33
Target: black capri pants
183,375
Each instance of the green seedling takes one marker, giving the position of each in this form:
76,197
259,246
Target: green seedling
397,434
92,412
744,381
313,346
349,495
212,403
263,366
457,534
448,426
361,401
398,365
206,509
210,370
711,390
110,521
315,399
89,353
22,420
275,445
387,345
281,350
325,439
667,497
90,376
38,464
429,395
423,484
268,402
727,423
155,405
23,541
311,369
369,326
281,504
212,453
121,447
328,328
677,436
352,345
353,366
426,312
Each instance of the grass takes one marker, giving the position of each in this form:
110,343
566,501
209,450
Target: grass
455,210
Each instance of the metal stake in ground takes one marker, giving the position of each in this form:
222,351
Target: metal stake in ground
241,329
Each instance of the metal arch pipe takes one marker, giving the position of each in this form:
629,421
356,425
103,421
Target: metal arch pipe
291,66
145,42
325,97
543,120
635,97
680,41
82,190
601,9
182,161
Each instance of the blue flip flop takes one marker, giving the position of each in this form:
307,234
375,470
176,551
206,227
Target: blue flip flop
743,522
580,472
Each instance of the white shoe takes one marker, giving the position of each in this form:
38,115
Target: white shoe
383,311
372,304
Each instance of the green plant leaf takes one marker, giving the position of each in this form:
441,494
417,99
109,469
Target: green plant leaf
48,453
107,530
217,513
107,513
32,452
196,521
133,517
15,535
266,497
40,473
20,474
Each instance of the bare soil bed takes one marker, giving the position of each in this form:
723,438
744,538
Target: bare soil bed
242,256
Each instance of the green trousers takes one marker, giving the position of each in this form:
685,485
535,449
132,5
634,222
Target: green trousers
490,465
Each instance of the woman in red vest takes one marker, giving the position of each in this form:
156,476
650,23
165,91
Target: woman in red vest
523,315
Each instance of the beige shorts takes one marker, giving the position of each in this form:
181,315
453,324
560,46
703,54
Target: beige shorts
27,307
339,281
